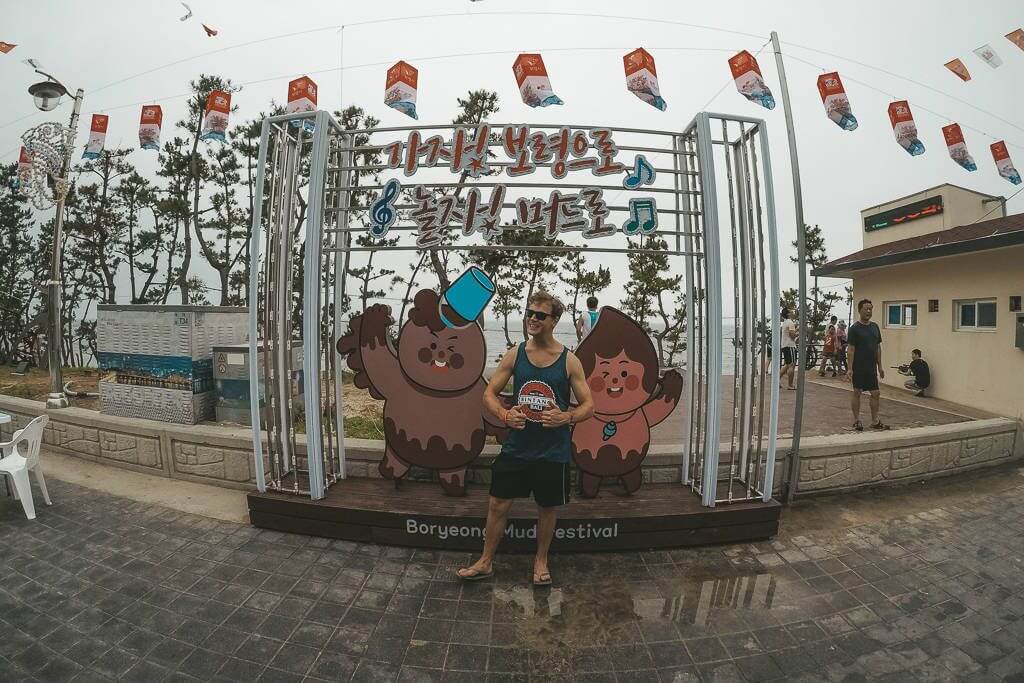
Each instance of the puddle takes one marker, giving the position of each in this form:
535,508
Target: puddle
555,624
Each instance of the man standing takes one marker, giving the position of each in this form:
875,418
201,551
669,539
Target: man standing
535,456
587,321
864,360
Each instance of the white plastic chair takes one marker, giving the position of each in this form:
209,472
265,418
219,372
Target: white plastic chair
21,455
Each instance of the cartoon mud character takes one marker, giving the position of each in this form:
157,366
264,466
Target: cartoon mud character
432,387
621,366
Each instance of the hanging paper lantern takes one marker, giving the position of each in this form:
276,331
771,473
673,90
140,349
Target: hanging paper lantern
24,176
215,119
302,98
837,104
24,161
532,79
97,136
1015,37
301,95
989,55
149,126
642,78
904,128
1001,155
957,147
400,88
958,67
747,75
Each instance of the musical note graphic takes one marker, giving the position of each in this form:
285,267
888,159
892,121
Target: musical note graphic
383,211
642,174
643,217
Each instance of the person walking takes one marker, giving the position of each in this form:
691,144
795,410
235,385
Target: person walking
864,360
841,341
828,348
788,344
534,458
586,322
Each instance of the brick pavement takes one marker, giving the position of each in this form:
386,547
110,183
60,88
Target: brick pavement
102,588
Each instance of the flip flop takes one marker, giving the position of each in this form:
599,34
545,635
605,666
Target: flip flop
475,575
541,580
881,427
858,426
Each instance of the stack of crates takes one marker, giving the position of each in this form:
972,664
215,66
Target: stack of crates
156,362
231,378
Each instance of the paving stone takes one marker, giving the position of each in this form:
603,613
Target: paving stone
150,594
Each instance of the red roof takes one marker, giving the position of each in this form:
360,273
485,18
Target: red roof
991,234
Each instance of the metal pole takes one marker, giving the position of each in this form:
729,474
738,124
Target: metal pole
801,255
57,398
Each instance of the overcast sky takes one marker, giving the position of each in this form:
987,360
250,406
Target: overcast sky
93,45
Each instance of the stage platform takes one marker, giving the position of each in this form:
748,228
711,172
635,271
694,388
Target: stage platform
419,515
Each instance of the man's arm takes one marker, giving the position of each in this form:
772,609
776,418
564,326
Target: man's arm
584,410
579,328
850,349
512,417
878,361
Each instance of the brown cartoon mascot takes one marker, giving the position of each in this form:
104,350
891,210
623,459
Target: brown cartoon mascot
432,387
629,398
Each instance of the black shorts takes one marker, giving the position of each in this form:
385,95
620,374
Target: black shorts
517,478
865,381
788,355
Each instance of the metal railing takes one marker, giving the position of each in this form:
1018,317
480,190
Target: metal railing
307,176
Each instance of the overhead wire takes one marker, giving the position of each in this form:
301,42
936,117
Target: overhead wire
892,96
903,78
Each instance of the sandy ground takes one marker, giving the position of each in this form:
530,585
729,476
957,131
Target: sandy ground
35,384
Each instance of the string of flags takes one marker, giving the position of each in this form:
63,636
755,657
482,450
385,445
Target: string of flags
188,15
987,53
641,77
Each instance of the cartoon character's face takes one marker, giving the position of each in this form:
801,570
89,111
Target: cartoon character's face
617,385
449,360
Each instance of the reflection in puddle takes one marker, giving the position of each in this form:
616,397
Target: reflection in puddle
557,623
693,606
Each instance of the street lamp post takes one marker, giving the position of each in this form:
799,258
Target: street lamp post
47,95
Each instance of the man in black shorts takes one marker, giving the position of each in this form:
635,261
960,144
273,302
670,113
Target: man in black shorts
864,360
535,456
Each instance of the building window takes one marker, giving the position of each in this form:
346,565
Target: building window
901,314
976,315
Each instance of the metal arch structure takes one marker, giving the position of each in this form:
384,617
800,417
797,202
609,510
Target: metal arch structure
306,176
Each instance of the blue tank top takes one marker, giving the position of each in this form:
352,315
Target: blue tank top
534,388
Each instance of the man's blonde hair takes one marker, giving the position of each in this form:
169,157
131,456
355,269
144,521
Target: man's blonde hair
542,297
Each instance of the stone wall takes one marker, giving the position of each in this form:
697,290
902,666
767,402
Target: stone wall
206,454
222,455
844,462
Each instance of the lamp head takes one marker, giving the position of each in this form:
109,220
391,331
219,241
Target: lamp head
47,94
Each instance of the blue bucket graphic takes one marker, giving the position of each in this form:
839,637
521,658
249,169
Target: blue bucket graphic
467,297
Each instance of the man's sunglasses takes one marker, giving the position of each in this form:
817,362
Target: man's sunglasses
539,315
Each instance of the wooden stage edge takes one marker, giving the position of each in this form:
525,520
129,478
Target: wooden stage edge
419,515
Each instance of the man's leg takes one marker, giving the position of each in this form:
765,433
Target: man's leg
873,402
546,518
497,518
855,404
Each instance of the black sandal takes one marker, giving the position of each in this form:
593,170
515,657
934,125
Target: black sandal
541,580
880,426
476,574
858,426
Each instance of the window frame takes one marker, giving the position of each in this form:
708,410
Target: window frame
903,305
959,304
